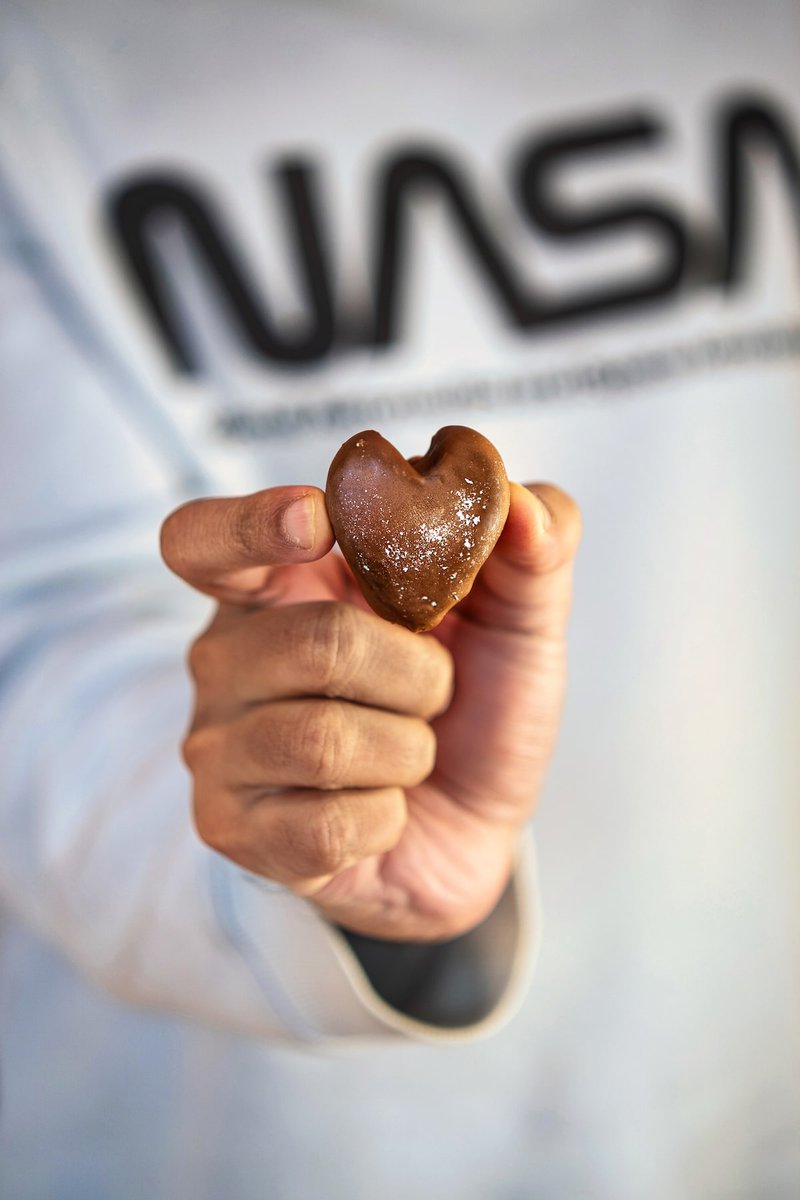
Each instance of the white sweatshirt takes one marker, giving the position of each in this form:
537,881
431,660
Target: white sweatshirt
232,235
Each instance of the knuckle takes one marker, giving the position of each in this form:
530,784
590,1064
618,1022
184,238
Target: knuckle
200,749
327,745
203,660
328,840
252,528
334,646
206,826
209,826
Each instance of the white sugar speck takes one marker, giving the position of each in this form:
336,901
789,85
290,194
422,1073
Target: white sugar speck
434,533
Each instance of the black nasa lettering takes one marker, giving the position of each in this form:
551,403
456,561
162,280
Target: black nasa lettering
536,175
750,124
404,175
537,165
137,204
688,255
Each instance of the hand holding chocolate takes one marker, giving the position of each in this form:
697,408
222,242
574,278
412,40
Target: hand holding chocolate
416,532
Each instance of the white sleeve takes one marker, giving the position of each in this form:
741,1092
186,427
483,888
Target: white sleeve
97,850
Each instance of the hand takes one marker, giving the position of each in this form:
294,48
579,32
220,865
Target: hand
382,774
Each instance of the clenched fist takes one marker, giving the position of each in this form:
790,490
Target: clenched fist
382,774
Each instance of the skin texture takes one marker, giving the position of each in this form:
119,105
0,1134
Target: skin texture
384,775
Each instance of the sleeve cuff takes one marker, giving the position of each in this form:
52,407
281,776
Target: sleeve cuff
316,988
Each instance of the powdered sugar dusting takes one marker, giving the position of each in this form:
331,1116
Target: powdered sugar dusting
443,537
419,539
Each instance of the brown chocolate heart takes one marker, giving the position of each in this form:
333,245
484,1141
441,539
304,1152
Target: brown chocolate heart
415,533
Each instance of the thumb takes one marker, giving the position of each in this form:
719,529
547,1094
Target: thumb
224,547
526,584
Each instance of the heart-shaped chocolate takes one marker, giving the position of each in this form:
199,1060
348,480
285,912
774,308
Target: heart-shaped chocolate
415,533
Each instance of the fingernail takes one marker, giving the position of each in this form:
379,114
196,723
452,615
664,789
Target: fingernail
544,514
299,522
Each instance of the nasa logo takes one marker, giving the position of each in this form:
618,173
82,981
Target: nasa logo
686,256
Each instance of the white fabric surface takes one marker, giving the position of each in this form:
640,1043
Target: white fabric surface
657,1054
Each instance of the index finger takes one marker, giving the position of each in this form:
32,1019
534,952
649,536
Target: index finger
225,547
